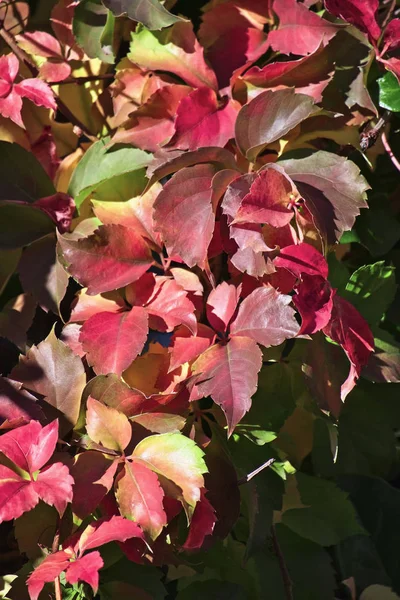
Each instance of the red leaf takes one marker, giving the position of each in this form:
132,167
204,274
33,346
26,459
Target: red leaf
85,306
185,347
349,329
116,393
302,258
300,31
38,91
116,529
107,426
11,106
47,571
392,35
113,340
60,207
45,150
30,446
186,198
110,258
228,373
17,406
169,306
201,525
93,475
201,122
269,117
140,498
314,301
269,199
266,317
17,495
221,305
85,568
54,486
40,43
360,13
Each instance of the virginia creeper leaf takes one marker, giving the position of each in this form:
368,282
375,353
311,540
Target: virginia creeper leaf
149,12
107,426
221,305
358,13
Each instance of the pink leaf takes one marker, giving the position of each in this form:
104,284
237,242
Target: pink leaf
85,306
169,306
110,258
37,91
60,207
302,258
116,529
93,475
266,317
228,373
9,67
360,13
17,495
47,571
40,43
314,301
349,329
202,524
221,305
200,121
10,108
392,35
17,406
185,347
140,498
300,31
30,446
113,340
54,486
269,199
186,198
86,568
107,426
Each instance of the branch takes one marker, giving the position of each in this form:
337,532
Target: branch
389,14
388,149
250,476
54,548
287,582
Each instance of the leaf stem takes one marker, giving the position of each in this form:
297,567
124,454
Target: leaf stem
287,582
54,548
388,149
250,476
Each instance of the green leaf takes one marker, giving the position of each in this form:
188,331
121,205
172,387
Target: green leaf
93,28
376,229
102,164
21,224
322,457
213,590
142,576
149,12
21,174
8,263
328,515
389,92
371,289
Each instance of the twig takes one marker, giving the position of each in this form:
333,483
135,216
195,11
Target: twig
287,582
388,149
250,476
389,13
54,548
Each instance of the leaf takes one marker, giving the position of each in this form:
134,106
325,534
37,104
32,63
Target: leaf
33,224
378,592
140,497
266,317
221,305
35,530
91,20
389,96
170,306
114,392
349,329
85,568
111,257
113,340
391,35
186,198
85,306
228,373
328,516
358,13
177,458
314,301
371,289
302,259
107,426
201,121
149,12
93,475
333,190
202,524
16,319
30,446
269,117
186,347
17,406
175,50
300,31
52,370
103,531
100,164
47,571
22,176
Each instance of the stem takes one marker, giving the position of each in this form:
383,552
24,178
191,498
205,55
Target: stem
388,149
389,14
54,548
287,582
250,476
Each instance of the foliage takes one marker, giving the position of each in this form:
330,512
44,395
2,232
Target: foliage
199,324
